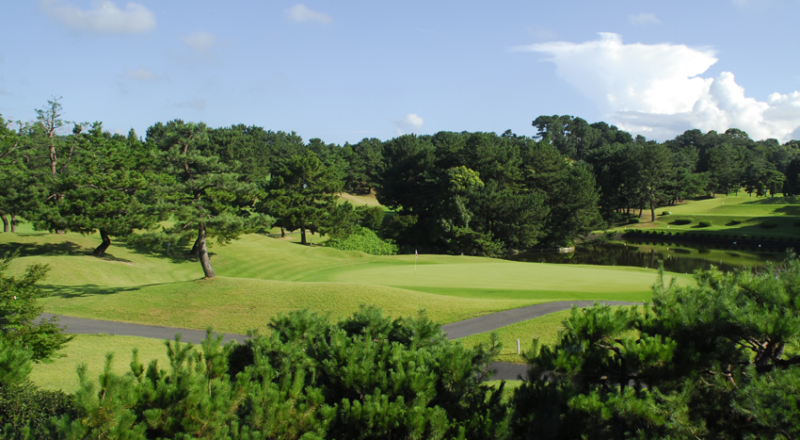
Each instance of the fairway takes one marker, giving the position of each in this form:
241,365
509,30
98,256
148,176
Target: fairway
260,277
734,215
741,205
504,279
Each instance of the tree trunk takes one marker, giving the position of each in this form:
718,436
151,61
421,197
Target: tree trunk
205,261
100,251
14,223
652,213
6,226
302,235
283,233
195,248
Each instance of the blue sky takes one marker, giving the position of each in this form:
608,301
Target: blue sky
342,71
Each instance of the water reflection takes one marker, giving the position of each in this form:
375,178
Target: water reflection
685,259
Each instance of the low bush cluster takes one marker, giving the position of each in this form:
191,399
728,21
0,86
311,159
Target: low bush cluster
682,221
364,240
704,224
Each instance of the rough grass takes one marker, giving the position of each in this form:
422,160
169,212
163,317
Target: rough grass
91,350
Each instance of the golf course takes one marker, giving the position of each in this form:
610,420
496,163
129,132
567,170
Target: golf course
261,277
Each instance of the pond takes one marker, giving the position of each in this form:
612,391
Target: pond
682,258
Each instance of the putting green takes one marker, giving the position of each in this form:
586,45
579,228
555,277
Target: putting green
501,275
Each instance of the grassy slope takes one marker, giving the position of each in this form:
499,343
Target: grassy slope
91,350
261,276
722,210
357,200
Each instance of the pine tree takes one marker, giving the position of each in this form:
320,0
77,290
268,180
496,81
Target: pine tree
200,192
19,310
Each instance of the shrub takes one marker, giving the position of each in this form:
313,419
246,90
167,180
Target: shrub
704,224
734,222
633,220
682,221
370,216
364,240
665,213
25,407
769,225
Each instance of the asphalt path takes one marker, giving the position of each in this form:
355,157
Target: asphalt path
456,330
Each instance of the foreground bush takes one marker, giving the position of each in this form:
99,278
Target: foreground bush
366,377
712,360
364,240
25,410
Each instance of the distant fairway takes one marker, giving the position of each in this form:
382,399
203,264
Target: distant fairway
736,215
260,277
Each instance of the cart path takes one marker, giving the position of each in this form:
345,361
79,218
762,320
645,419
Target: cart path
455,330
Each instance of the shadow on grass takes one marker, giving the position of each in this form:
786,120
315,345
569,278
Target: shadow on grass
66,248
175,254
35,249
793,200
86,290
789,210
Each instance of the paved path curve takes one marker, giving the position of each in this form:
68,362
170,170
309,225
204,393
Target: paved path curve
460,329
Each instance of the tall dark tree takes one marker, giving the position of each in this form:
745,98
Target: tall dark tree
302,195
105,189
655,169
201,193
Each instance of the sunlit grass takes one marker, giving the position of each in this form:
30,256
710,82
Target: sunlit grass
91,350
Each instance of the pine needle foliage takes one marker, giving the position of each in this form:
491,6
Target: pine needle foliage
717,359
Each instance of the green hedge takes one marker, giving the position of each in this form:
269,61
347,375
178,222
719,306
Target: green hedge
682,221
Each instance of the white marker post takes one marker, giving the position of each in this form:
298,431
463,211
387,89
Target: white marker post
518,352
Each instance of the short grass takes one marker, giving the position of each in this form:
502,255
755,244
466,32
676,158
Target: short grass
91,350
732,214
259,276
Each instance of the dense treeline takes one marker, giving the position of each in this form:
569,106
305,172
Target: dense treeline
471,193
715,360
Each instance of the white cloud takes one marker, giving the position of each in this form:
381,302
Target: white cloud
141,74
410,123
104,17
655,90
643,19
300,13
200,41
